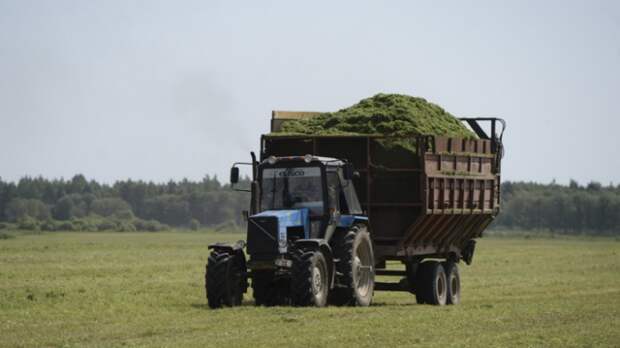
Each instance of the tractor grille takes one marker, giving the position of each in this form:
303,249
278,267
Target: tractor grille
260,229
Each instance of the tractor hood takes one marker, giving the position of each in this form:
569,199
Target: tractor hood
285,219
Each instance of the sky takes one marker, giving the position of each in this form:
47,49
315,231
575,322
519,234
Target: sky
160,90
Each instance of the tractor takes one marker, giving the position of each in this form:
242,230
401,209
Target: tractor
308,240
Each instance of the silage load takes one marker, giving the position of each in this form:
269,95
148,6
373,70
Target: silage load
383,114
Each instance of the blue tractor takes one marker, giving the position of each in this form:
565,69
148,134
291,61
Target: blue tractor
308,241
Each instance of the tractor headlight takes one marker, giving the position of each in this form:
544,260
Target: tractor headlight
272,160
282,262
282,243
308,158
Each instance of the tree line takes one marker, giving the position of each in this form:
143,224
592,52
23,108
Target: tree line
562,209
127,205
81,204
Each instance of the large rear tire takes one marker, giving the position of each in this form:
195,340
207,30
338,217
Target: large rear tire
224,280
310,279
432,284
453,282
355,265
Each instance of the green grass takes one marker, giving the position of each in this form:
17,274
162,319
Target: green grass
387,114
146,289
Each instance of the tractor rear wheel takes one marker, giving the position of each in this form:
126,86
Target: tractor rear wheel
355,265
225,280
431,285
453,282
309,279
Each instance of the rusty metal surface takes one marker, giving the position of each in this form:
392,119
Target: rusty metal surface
427,203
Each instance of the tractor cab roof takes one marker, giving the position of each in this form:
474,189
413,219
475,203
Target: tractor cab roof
326,161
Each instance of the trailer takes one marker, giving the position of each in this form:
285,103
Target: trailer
423,205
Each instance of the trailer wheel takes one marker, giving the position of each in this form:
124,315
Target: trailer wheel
356,266
453,282
432,285
224,280
264,288
309,279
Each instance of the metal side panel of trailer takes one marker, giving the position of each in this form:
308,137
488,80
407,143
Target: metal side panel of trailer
426,201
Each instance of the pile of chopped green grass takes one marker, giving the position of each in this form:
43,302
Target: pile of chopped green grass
395,115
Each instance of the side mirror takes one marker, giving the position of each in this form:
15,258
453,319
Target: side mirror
234,175
348,171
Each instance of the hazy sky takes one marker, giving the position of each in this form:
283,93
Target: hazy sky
160,90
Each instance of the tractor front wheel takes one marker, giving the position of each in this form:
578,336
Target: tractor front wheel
225,279
309,279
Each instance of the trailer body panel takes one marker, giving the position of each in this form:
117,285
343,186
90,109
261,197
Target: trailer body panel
428,200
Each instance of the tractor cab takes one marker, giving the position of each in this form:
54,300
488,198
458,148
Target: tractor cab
299,198
321,186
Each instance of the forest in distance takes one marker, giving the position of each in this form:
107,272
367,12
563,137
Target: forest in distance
79,204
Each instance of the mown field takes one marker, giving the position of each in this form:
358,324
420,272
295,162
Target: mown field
146,289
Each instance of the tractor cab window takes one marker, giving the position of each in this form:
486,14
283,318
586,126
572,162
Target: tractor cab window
350,197
292,188
341,193
333,190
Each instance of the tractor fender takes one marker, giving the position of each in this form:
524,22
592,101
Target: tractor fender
322,246
346,221
233,249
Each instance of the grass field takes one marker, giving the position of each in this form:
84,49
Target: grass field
146,289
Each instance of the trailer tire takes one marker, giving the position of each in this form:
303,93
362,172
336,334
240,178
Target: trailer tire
224,280
453,283
356,266
432,287
309,278
264,289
